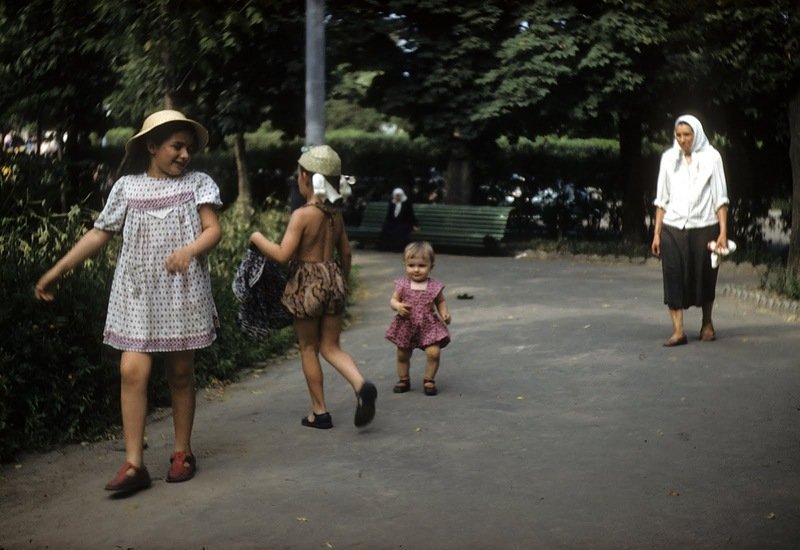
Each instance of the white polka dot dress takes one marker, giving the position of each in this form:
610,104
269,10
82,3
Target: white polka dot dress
151,309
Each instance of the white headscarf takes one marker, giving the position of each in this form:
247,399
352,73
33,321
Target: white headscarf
398,198
700,145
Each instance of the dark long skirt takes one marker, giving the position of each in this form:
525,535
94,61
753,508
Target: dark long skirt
689,279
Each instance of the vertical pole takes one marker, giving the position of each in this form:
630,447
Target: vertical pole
315,72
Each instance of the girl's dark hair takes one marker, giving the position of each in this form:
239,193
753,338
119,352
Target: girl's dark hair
137,160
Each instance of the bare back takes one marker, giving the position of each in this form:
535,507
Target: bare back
322,231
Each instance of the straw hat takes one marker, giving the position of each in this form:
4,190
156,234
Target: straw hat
162,117
321,159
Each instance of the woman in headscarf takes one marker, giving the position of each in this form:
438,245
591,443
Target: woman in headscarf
400,222
691,212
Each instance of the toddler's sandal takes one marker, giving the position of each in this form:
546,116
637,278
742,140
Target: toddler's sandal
182,467
402,386
429,386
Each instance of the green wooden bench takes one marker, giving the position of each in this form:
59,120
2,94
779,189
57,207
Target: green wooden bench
369,232
445,226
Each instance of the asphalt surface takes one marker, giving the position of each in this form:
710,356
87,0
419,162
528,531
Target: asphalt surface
561,423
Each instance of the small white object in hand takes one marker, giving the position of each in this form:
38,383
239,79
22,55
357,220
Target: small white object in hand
717,252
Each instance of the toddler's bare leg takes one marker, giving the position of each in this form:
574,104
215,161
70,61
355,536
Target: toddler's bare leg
134,369
180,376
308,337
432,355
404,363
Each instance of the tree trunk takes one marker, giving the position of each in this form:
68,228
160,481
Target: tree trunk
793,263
630,158
239,147
458,179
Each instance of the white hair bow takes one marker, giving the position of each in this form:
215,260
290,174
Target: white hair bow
324,189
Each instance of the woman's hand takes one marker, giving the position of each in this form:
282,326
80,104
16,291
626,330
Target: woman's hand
655,248
722,242
179,261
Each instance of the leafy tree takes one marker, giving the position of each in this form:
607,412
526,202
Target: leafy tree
231,64
429,54
56,68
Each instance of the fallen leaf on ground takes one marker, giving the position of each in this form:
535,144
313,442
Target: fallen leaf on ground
673,493
771,515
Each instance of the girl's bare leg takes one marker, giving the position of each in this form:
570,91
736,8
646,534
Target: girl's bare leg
404,363
180,376
334,354
432,355
134,368
308,337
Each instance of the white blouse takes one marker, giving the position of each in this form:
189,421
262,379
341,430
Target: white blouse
691,192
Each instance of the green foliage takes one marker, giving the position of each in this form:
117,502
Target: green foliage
783,281
55,64
56,380
233,349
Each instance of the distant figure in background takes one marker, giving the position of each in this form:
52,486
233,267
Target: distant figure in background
400,222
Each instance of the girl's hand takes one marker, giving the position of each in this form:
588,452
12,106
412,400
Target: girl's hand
41,290
446,318
402,309
178,261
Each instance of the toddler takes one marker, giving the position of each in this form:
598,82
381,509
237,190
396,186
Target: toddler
417,299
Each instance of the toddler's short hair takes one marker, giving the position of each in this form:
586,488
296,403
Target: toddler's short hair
419,249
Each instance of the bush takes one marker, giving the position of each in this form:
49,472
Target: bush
233,349
57,382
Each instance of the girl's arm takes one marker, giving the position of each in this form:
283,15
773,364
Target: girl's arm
343,246
283,252
397,305
88,245
179,261
441,306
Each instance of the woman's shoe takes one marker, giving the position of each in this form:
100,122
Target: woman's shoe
672,342
365,411
321,421
708,334
402,386
129,484
429,386
182,467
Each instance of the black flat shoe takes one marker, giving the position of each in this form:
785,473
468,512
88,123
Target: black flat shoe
321,421
682,341
365,411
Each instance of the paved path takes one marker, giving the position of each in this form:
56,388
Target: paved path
561,423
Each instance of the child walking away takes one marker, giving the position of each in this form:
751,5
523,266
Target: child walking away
161,297
316,291
417,325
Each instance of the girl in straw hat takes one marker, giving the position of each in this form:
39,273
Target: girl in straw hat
161,294
316,292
